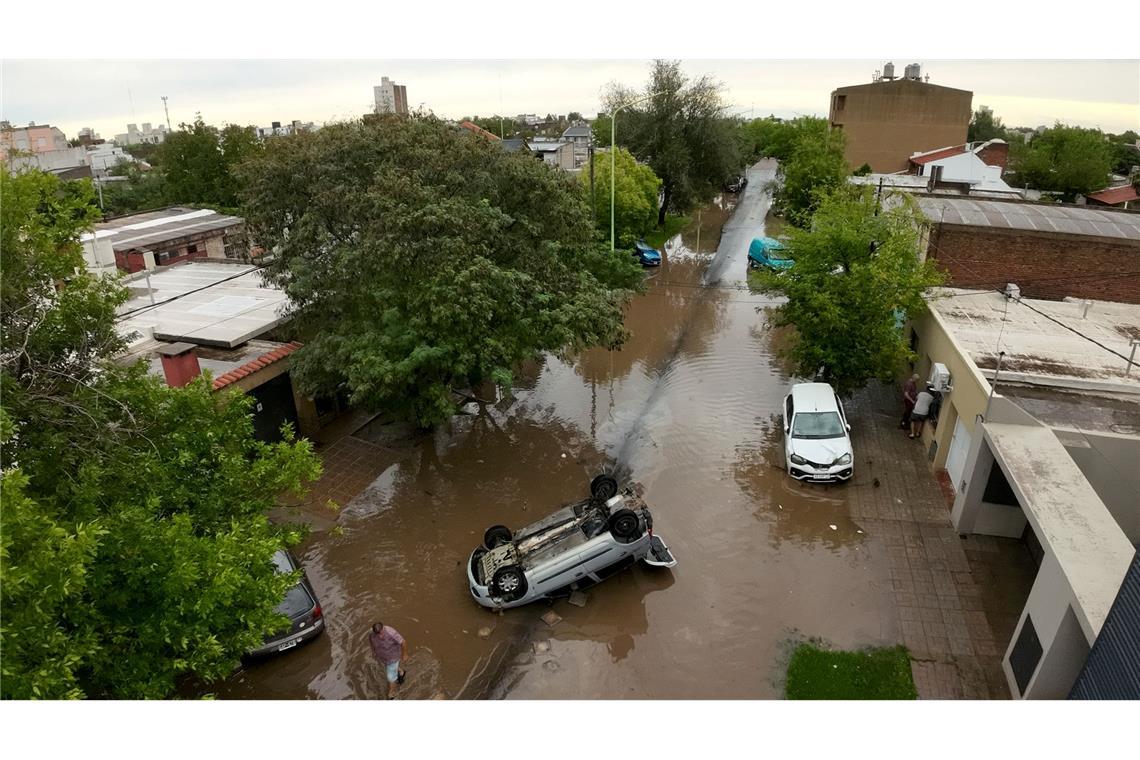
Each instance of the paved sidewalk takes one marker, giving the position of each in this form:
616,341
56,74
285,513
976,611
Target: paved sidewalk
957,599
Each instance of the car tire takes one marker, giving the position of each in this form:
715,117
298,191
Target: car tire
603,487
509,583
496,536
625,525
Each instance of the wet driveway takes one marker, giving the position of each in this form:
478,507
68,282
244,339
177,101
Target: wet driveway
690,406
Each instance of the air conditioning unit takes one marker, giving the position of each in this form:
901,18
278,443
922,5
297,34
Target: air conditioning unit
939,377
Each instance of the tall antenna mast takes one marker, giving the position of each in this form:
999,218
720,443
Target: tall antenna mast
165,108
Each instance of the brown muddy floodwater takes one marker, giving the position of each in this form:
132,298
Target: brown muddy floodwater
690,406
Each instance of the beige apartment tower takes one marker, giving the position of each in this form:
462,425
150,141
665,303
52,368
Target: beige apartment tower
888,120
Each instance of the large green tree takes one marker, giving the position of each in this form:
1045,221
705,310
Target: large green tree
199,160
682,132
772,137
135,547
421,259
985,126
856,275
815,168
635,196
1063,159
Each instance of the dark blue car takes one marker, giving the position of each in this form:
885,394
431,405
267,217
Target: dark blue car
646,254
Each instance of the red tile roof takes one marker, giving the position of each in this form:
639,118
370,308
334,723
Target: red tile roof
259,363
1114,195
934,155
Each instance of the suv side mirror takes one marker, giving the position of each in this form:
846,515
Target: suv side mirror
848,426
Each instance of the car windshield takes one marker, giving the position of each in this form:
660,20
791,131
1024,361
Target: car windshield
817,425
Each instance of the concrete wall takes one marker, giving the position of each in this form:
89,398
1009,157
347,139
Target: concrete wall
970,389
971,513
1040,262
99,256
885,123
1050,605
1110,462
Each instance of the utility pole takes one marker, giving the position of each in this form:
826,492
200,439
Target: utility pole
164,108
593,197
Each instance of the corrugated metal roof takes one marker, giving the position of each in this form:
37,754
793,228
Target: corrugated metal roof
156,227
1075,220
577,132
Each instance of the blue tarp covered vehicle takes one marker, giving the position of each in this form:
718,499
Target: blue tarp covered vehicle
646,254
768,252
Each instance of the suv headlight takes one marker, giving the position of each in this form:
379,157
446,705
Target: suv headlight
845,459
797,459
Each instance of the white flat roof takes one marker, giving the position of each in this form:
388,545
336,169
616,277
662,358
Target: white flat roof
1066,514
1038,350
223,312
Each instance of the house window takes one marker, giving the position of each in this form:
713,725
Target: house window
192,248
840,102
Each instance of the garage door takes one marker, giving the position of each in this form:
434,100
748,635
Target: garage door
956,458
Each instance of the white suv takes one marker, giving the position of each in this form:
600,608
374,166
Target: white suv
817,439
574,548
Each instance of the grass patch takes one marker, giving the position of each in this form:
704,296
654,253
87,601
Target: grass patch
815,673
673,225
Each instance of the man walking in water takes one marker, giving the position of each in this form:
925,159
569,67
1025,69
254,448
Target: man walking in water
389,649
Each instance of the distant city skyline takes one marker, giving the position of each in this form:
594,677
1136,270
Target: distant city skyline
107,95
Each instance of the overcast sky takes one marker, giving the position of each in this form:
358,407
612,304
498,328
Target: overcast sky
106,95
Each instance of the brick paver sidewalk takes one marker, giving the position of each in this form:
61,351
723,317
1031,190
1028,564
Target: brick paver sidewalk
957,599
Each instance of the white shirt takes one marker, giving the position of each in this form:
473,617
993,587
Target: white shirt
922,403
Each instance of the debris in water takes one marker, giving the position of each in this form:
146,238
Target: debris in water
858,531
550,665
781,506
551,618
542,647
563,456
578,599
833,527
465,630
484,632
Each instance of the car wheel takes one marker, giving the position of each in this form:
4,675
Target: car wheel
603,487
496,535
509,583
625,524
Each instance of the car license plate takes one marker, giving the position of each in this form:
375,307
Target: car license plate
288,645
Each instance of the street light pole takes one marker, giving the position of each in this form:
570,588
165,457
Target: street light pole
613,178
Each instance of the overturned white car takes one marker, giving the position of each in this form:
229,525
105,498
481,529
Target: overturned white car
574,548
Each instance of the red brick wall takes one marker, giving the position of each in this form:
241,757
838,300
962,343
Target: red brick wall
133,261
1044,265
995,155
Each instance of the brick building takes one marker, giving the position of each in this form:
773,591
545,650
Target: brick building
160,238
1050,250
888,120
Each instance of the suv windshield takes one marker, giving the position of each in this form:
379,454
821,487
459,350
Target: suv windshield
817,425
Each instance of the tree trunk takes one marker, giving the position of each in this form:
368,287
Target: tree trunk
664,206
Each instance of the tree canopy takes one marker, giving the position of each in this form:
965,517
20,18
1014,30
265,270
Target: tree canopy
199,159
135,547
815,168
985,126
772,137
635,196
1063,159
681,132
856,275
421,259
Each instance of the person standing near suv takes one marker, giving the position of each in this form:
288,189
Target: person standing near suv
390,649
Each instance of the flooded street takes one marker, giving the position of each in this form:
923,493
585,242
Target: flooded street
690,406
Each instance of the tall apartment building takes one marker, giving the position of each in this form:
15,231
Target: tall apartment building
30,139
390,97
890,119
